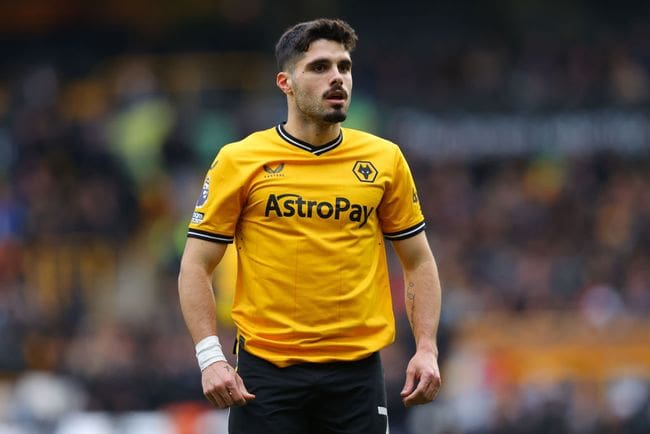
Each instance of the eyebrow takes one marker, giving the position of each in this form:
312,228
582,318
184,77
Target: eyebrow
328,60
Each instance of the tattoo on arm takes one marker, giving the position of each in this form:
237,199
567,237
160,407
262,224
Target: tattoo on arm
410,295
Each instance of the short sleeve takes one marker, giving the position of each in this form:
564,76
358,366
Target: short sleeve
220,201
400,214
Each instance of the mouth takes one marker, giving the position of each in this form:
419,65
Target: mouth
336,96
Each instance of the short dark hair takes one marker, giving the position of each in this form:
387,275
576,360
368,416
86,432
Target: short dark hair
297,39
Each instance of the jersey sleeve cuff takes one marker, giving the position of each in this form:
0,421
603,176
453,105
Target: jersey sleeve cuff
405,233
209,236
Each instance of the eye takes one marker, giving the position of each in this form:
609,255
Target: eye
320,67
345,66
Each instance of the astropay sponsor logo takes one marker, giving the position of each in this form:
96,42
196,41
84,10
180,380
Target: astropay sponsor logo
294,205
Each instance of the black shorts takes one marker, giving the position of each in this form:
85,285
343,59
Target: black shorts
311,398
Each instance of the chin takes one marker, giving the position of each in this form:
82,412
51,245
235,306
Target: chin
335,117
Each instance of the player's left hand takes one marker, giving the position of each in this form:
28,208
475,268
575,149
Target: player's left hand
223,386
422,379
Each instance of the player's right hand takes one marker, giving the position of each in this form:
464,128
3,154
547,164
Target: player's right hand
223,387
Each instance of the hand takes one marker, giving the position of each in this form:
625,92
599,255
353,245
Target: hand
422,379
223,387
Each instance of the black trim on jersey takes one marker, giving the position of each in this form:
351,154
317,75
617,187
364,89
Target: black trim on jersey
406,233
316,150
208,236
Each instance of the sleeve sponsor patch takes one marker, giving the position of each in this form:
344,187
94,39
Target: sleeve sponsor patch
197,217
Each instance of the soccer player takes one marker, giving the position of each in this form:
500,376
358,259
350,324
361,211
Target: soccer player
309,205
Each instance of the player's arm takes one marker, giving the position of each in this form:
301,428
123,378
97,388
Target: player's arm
221,384
423,301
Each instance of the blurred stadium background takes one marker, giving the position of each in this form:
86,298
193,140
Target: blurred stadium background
527,125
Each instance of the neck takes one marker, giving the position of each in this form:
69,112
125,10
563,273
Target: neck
316,134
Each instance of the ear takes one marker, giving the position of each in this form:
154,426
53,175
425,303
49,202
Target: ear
283,81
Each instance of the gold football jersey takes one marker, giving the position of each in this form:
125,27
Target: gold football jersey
309,225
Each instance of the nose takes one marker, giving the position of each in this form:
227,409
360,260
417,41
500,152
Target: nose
337,77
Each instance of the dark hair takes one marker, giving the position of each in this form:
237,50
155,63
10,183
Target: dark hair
297,39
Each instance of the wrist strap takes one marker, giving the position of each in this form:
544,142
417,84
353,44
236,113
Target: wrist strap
208,351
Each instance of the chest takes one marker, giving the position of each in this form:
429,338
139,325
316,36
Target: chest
319,190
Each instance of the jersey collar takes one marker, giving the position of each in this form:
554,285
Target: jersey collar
316,150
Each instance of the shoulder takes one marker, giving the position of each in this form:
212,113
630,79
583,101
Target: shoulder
368,138
243,148
373,145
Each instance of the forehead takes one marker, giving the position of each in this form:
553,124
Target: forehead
325,49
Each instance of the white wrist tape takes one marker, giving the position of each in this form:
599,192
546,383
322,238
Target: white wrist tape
208,351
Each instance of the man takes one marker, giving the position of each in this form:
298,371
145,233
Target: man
309,204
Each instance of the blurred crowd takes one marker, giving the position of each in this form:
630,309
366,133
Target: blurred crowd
544,232
101,161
